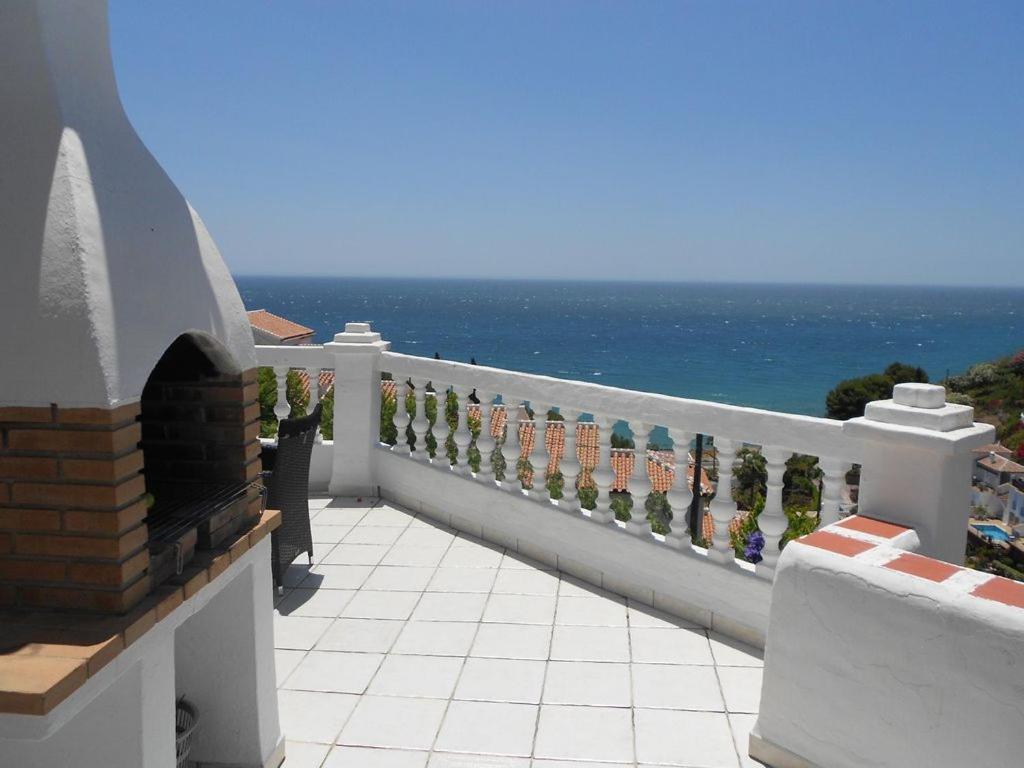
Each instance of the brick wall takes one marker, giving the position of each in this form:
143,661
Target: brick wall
72,488
205,430
71,508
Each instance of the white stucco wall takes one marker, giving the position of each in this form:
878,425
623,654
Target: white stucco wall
216,649
683,582
867,666
105,263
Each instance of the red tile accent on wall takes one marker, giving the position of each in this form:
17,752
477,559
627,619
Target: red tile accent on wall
925,567
1002,591
873,527
842,545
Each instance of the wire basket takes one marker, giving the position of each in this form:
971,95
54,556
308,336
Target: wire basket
186,718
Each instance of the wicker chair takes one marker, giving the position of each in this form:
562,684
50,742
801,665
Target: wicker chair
288,491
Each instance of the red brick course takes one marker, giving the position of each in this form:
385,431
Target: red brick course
70,509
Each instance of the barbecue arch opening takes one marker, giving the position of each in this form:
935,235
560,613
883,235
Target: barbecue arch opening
196,465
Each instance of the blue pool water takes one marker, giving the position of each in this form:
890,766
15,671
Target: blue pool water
993,532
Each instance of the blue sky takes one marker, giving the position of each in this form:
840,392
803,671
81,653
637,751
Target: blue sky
814,141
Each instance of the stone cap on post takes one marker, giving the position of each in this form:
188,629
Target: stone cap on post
357,337
919,414
916,454
923,406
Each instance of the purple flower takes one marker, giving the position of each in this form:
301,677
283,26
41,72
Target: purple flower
755,543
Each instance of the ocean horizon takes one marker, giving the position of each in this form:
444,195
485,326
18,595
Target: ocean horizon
766,345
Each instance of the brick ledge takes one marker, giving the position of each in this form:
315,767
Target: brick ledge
45,657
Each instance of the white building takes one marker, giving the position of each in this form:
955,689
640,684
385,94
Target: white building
994,469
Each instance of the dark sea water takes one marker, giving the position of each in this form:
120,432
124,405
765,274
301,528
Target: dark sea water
780,347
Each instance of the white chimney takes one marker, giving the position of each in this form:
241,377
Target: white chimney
104,263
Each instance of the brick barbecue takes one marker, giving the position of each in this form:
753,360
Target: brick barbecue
76,484
128,360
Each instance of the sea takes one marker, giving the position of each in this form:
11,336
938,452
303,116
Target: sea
778,347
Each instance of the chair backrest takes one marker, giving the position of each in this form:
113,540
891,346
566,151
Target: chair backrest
302,425
289,484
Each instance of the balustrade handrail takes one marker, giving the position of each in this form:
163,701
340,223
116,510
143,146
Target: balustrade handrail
297,356
810,435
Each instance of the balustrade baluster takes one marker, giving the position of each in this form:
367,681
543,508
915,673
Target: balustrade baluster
313,374
400,419
510,445
603,474
640,482
485,441
462,435
772,520
539,489
723,508
420,425
680,495
569,465
281,408
832,489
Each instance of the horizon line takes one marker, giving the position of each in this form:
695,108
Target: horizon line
632,281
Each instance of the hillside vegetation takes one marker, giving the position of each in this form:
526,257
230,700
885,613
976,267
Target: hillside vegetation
995,389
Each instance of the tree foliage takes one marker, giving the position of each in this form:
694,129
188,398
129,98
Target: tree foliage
849,398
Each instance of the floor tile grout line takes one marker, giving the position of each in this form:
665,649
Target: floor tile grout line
632,697
462,669
551,626
337,734
385,654
307,651
725,704
547,667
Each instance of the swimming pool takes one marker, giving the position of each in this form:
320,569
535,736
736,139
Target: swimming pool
993,532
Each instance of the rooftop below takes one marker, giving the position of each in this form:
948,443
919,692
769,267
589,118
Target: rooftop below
408,643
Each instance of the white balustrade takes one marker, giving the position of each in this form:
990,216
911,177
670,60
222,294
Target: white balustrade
772,520
603,474
569,465
485,441
639,483
683,418
539,489
723,508
680,495
510,445
358,465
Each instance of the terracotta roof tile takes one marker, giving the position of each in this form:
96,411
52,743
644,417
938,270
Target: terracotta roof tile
280,327
999,463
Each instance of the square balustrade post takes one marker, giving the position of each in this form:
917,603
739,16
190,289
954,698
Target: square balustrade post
357,354
917,459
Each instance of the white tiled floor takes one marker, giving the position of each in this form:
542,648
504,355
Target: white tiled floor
408,645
